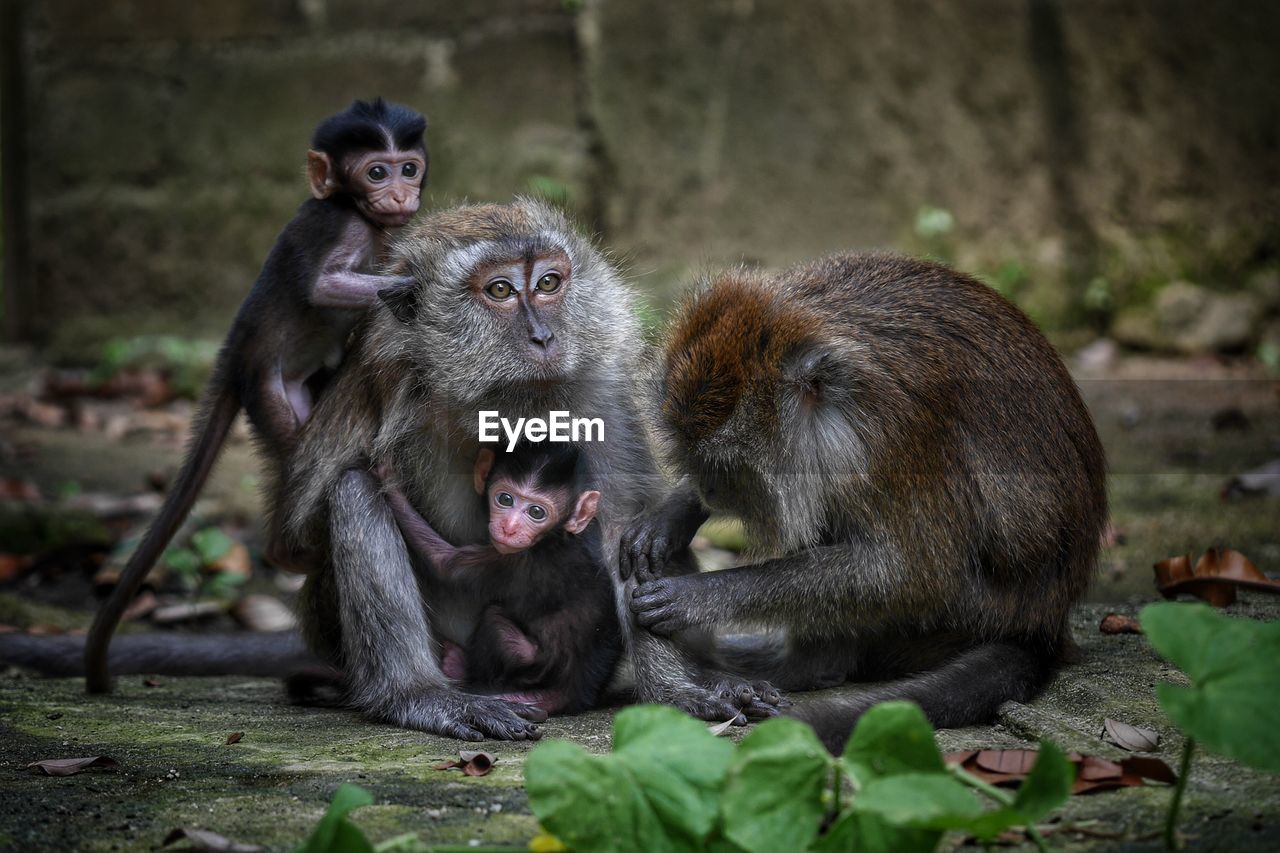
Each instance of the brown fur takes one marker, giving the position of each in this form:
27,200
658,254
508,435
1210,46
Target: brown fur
908,448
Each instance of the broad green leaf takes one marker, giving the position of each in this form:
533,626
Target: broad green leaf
859,832
182,561
334,833
773,797
656,791
1234,667
211,544
919,801
891,738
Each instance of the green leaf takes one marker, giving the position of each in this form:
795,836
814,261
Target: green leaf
211,544
334,833
224,584
1234,666
919,801
891,738
868,833
182,561
657,791
773,797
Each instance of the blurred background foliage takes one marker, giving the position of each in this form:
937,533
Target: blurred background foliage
1111,165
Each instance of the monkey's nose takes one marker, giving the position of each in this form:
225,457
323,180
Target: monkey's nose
542,337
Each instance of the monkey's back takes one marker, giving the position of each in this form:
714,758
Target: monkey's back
984,460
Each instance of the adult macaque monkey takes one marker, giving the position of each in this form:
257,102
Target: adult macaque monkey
366,171
913,456
512,311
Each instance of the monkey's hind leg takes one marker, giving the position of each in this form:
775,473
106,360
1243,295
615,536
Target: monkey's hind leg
966,691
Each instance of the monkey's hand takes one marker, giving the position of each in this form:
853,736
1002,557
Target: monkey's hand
452,713
654,538
663,606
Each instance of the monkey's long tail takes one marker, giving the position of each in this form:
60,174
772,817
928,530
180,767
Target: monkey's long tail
202,453
268,654
966,691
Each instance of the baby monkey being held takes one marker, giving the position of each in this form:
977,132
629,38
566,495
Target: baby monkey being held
547,633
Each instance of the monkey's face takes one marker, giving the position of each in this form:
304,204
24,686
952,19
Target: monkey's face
510,309
520,514
386,185
523,296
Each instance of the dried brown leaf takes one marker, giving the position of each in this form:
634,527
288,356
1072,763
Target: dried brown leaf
1010,766
71,766
1129,737
1215,578
470,763
1115,623
19,489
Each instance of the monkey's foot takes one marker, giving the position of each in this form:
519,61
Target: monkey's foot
758,700
452,713
714,705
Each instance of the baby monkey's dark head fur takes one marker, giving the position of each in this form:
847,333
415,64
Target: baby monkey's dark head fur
374,155
534,491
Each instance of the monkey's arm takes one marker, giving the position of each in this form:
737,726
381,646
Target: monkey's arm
859,583
498,648
420,536
343,281
656,535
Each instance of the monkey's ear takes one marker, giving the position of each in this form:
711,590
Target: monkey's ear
320,174
811,369
402,300
480,473
583,511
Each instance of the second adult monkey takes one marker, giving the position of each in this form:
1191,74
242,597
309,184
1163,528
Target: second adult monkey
547,632
912,462
366,170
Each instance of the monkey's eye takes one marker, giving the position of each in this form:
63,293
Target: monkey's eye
499,289
505,499
377,173
549,283
537,513
409,170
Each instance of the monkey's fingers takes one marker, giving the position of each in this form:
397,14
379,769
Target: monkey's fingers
633,551
532,713
657,609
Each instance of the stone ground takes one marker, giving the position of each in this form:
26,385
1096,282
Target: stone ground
1168,466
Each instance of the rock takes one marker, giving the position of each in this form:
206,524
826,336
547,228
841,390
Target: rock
263,613
1190,319
1265,285
1097,356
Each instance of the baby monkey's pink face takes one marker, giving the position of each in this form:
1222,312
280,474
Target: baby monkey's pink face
519,515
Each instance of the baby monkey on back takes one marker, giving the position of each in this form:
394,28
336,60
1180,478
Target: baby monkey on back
547,633
366,169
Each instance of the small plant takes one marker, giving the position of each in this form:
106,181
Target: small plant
675,786
187,362
1234,668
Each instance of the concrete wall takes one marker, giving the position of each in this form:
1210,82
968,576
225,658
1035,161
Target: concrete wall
1114,138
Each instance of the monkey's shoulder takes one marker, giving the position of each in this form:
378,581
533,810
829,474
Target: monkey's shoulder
303,246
